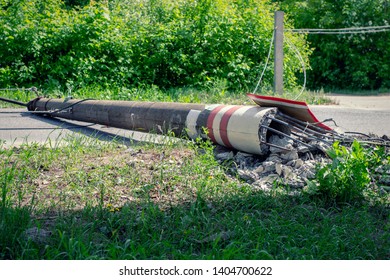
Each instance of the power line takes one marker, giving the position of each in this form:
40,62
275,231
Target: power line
349,30
297,52
33,89
344,29
266,63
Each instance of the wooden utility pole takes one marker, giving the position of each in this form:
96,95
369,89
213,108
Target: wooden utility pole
278,52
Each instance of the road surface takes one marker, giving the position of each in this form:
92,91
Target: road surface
368,114
18,127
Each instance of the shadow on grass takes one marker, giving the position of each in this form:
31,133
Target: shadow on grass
250,225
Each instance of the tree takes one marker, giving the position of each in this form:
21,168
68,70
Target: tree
50,43
347,61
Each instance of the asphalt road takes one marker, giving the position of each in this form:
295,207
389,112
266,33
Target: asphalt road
365,114
17,126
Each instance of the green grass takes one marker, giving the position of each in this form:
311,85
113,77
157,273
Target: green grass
216,94
93,200
85,199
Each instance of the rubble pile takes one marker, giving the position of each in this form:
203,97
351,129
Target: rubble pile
291,166
288,163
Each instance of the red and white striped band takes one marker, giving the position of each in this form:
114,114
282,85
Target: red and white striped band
232,126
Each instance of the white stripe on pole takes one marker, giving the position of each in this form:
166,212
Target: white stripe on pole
192,117
243,128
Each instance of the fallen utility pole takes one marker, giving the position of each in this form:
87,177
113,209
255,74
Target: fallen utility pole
243,128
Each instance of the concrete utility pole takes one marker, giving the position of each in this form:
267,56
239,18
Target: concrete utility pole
278,52
244,128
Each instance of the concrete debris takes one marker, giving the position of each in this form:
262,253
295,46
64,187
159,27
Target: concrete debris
248,175
225,156
282,142
268,166
293,155
291,165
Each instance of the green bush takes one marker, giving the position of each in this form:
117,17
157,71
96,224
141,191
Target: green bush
351,176
51,44
347,61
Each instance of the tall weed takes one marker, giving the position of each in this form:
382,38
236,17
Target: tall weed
351,176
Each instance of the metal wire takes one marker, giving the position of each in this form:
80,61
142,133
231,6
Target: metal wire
61,109
286,135
13,101
302,63
349,30
266,63
34,89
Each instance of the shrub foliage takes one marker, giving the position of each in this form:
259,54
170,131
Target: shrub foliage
346,61
166,43
353,176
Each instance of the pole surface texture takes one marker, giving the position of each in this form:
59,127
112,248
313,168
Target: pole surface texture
239,127
278,52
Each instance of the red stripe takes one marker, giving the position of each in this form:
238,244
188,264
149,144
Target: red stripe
210,120
273,98
224,123
287,102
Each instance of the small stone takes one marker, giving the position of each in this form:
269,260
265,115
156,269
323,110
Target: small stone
279,168
247,175
298,163
268,166
308,174
293,155
288,172
282,142
274,158
302,149
259,169
296,183
270,178
225,156
242,156
321,146
244,160
262,186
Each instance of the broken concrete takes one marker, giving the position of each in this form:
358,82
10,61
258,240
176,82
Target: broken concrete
292,165
289,165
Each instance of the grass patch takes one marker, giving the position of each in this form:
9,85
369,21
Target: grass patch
89,200
355,175
215,94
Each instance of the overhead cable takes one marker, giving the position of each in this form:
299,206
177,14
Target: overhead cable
349,30
266,63
297,52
